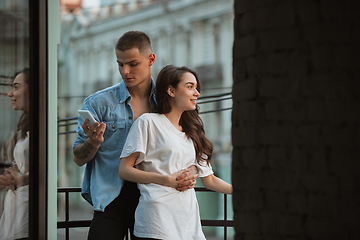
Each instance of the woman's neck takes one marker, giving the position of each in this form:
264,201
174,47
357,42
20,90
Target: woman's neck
174,118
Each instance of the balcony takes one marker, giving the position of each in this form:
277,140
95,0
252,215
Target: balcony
64,192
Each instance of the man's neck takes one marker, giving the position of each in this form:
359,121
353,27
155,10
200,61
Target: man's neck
141,91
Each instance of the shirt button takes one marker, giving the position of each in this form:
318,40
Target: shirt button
113,126
130,117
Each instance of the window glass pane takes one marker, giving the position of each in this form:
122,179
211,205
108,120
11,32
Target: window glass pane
14,124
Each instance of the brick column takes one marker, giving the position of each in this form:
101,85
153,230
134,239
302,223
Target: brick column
295,120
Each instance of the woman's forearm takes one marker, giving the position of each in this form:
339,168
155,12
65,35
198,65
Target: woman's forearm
135,175
129,173
216,184
23,180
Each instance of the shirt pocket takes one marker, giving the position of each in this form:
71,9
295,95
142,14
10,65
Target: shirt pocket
114,136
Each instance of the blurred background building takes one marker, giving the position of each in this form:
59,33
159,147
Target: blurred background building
194,33
14,45
14,41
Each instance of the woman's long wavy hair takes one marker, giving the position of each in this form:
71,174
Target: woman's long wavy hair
23,124
190,120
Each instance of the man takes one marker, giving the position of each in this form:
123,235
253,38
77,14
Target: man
99,146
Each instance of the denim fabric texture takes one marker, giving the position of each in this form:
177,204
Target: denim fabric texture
101,183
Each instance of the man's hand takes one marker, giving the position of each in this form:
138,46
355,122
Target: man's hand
84,152
95,133
187,178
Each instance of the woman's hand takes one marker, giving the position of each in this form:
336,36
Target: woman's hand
189,179
181,180
17,178
6,181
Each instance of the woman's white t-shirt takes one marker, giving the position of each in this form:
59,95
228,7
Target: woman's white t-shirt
14,222
164,212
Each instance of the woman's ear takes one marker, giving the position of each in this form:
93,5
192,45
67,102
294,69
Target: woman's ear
170,91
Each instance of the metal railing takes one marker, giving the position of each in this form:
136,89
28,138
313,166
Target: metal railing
202,100
67,224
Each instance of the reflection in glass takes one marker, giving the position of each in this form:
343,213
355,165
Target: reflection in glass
14,123
14,219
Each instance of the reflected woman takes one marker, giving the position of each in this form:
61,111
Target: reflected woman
14,220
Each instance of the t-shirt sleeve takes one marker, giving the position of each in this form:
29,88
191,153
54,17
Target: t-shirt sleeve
136,140
204,169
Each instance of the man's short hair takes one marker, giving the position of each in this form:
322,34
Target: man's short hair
134,39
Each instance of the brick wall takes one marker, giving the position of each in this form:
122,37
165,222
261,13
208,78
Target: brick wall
296,121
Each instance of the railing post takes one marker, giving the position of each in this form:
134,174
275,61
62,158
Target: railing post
225,216
67,215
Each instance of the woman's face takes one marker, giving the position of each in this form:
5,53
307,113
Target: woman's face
186,94
20,93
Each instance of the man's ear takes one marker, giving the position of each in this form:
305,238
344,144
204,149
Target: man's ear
170,91
151,59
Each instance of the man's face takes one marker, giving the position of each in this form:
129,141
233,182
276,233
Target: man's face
134,67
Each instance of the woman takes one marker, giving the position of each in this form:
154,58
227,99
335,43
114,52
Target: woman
159,145
14,220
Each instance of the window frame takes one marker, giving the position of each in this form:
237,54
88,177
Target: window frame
38,187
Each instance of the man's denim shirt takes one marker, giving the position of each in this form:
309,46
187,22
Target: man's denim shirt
101,184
